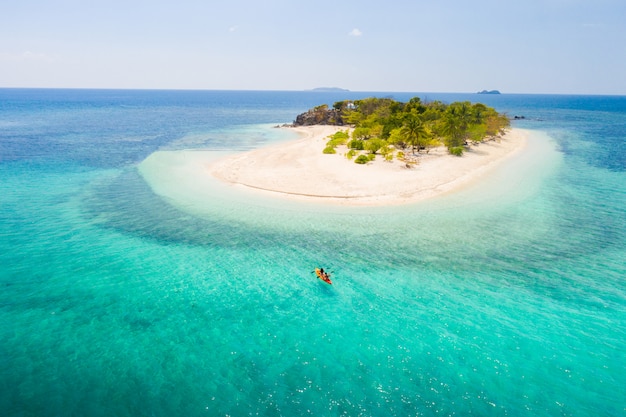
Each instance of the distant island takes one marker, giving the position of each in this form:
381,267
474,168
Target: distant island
488,92
329,90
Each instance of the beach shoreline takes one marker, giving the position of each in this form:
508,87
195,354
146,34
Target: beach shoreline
298,170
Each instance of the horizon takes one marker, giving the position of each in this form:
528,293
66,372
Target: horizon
311,90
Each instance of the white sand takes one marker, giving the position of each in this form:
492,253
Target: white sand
299,170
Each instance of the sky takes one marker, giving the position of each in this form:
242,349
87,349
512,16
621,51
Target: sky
515,46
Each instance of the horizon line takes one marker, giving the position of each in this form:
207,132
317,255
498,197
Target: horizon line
311,90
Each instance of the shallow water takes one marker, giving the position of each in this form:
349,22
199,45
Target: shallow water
130,290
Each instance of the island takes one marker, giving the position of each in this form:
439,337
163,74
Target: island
386,125
488,92
329,90
377,151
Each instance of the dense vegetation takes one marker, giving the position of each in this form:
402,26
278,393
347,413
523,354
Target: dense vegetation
382,125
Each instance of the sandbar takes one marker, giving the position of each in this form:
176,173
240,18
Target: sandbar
299,170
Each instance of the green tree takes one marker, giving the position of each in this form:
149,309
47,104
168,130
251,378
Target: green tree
455,124
320,113
495,123
479,112
416,124
397,138
361,133
414,131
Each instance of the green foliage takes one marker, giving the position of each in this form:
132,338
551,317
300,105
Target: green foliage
456,150
476,133
397,138
361,133
456,121
336,139
340,105
414,131
351,153
495,123
433,142
320,112
387,152
361,159
374,105
416,124
463,122
374,144
356,144
341,135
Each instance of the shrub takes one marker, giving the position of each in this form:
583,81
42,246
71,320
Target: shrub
341,135
338,138
361,159
374,144
356,144
332,143
351,153
329,150
456,150
361,133
386,151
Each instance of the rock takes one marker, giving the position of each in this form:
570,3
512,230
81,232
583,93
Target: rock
320,115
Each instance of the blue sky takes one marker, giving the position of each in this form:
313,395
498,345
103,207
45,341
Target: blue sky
516,46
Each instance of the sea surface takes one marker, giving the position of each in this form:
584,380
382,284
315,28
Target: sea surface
133,284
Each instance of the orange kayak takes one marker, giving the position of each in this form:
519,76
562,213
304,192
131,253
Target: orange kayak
323,276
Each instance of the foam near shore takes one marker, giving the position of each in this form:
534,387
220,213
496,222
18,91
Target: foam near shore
299,170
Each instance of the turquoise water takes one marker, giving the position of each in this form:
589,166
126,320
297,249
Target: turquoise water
134,285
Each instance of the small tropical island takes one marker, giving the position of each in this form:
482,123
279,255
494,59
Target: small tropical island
377,151
391,128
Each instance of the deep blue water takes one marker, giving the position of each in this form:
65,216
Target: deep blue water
505,299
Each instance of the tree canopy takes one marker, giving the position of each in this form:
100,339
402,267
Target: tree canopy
418,125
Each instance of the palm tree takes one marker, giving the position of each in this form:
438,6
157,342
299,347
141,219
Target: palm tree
456,122
414,131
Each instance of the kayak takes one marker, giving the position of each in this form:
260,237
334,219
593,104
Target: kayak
323,276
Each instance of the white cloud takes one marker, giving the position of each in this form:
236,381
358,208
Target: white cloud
355,32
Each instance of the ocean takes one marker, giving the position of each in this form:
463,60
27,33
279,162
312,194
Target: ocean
133,284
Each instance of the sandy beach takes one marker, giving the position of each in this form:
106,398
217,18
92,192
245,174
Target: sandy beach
299,170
